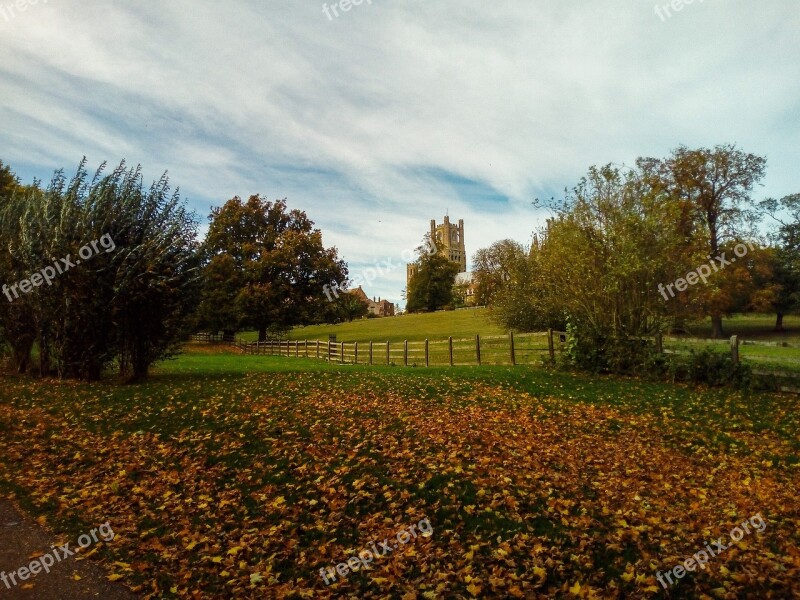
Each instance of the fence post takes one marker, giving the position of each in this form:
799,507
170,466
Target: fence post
388,362
735,349
478,347
427,355
355,359
450,349
329,350
513,356
405,353
659,343
550,346
341,353
370,352
297,349
317,348
305,347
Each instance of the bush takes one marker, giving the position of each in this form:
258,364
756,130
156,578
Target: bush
600,353
709,368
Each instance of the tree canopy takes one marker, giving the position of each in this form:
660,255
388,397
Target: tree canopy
266,268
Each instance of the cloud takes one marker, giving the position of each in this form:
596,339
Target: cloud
391,114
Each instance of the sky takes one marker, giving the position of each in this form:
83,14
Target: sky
378,118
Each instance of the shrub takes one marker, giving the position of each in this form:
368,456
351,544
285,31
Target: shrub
710,368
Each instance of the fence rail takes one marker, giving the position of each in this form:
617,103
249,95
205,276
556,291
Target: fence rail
511,349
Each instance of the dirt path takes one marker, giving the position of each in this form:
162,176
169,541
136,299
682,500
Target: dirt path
20,539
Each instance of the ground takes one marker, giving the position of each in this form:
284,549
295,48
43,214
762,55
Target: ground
23,540
243,476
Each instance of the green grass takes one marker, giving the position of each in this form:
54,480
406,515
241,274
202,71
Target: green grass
467,323
417,327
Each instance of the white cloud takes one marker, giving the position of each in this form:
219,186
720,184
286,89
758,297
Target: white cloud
351,118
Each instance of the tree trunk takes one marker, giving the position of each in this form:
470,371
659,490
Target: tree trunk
262,334
779,322
716,327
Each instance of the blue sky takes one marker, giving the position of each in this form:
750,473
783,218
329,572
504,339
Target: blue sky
394,112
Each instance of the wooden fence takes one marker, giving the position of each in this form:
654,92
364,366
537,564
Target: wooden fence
511,349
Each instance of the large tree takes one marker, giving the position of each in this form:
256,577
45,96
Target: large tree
127,271
714,187
493,267
266,268
431,287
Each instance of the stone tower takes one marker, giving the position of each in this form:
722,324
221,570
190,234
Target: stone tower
449,239
449,242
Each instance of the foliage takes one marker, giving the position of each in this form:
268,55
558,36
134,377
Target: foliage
616,243
129,301
352,307
784,283
431,287
712,188
243,476
493,267
266,268
709,368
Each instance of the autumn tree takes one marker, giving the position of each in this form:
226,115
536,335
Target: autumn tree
714,187
493,267
266,267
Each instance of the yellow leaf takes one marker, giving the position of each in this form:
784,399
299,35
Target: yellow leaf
576,589
234,551
473,589
114,577
76,577
540,572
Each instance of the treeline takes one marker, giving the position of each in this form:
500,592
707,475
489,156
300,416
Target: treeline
102,272
629,252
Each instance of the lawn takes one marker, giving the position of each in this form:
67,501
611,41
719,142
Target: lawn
416,327
243,476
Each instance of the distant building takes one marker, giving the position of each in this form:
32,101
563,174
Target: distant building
466,282
449,242
377,307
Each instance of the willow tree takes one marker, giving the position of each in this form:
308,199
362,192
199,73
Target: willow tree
127,296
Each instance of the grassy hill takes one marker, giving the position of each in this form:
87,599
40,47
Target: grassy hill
434,326
466,323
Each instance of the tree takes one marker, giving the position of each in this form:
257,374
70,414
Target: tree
8,181
493,268
714,186
431,287
785,257
128,294
352,307
596,268
17,320
277,261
